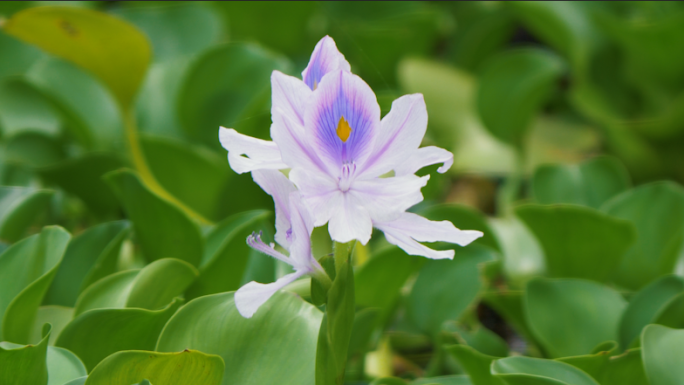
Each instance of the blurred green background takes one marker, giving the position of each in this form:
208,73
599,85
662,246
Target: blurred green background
573,103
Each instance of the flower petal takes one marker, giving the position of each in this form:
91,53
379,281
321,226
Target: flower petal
302,226
400,133
318,190
294,144
349,220
251,296
342,120
409,229
324,59
279,187
386,198
261,154
289,96
423,157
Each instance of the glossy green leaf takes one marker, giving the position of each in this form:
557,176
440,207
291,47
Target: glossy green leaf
365,323
151,288
476,365
163,229
596,363
444,289
28,363
509,305
523,256
57,316
388,381
513,87
28,268
18,55
647,305
86,252
569,317
223,88
258,350
62,365
464,217
77,35
96,334
443,380
33,150
578,242
590,183
226,255
83,177
131,367
528,370
478,337
625,369
196,176
657,212
19,208
661,349
336,328
178,30
23,108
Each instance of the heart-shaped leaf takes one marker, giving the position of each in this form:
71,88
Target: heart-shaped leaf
19,208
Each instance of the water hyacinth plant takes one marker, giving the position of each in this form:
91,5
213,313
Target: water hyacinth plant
547,247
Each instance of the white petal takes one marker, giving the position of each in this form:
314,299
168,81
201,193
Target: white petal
324,59
349,220
386,198
318,190
425,156
251,296
401,132
279,187
294,143
302,226
409,229
261,154
290,96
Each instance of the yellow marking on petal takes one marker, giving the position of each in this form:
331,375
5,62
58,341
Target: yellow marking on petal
343,129
315,85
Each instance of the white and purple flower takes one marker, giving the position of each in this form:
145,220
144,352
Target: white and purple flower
352,169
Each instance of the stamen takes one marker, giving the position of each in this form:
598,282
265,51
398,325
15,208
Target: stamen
254,241
343,129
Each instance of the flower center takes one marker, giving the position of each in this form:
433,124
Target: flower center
343,129
345,180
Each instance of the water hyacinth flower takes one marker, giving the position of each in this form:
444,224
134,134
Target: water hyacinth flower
327,130
294,226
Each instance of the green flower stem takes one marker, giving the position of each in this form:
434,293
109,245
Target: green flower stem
342,252
144,171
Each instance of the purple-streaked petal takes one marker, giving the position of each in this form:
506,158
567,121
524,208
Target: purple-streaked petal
261,154
289,96
386,198
295,144
423,157
317,190
324,59
342,120
251,296
254,241
279,187
409,229
302,226
400,133
349,220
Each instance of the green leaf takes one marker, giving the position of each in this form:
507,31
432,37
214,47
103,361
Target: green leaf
152,287
509,305
63,366
443,380
17,56
193,174
276,345
476,364
444,289
625,369
96,334
365,323
228,86
28,268
590,183
163,229
33,150
528,370
23,108
57,316
662,353
647,305
85,254
649,257
596,363
19,208
569,234
513,87
226,255
478,337
388,381
177,30
83,177
569,317
88,109
465,218
336,327
78,34
131,367
28,363
523,257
